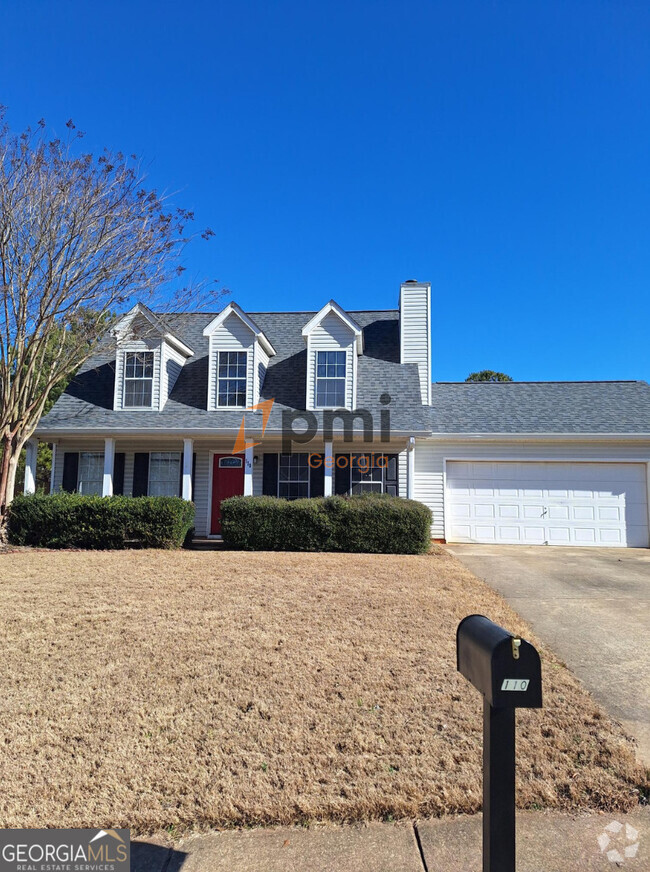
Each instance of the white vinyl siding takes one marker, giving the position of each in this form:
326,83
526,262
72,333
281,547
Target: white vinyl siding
172,364
232,335
415,333
260,366
430,462
331,335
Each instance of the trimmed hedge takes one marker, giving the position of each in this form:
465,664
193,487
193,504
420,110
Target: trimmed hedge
370,523
66,520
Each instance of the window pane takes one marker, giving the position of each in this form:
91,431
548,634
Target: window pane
164,473
138,392
293,490
367,473
91,472
330,392
367,487
139,364
138,379
293,474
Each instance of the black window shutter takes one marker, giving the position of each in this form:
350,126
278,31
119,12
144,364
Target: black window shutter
342,475
118,474
391,475
317,477
180,477
70,471
193,476
141,474
270,475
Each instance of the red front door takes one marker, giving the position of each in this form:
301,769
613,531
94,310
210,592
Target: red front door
227,481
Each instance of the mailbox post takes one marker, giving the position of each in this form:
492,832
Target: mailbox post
507,671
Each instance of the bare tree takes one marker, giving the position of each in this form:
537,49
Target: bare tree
81,238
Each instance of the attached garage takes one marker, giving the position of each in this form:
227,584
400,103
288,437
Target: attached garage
552,503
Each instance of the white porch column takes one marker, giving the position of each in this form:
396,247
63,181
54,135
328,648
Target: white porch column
410,468
31,450
109,463
328,470
188,451
53,468
248,471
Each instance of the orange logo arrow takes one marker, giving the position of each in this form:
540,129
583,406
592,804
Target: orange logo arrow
240,442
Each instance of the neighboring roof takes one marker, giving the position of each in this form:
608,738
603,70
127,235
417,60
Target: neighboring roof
87,403
345,317
617,407
156,322
234,309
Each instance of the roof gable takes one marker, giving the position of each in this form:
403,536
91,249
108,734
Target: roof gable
234,309
334,308
124,328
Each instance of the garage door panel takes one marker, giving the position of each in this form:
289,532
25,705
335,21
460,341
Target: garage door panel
559,503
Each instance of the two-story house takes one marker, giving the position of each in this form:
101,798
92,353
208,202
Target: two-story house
181,405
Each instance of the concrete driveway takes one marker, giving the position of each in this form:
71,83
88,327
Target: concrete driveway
592,607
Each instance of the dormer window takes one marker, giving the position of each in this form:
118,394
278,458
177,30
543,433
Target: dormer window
138,379
330,379
238,358
334,342
231,387
148,360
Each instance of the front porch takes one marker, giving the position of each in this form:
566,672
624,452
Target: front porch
205,471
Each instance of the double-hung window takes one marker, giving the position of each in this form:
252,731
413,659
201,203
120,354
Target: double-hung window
91,472
293,476
368,473
138,379
231,378
164,473
330,379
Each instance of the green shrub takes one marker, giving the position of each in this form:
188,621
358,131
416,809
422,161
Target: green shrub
65,520
370,523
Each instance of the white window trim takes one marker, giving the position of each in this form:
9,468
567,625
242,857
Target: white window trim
277,489
126,408
348,375
219,351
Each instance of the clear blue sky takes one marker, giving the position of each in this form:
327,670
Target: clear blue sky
498,149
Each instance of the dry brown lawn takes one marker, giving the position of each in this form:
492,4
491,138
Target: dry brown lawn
189,689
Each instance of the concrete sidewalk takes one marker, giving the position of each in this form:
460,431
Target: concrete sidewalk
548,841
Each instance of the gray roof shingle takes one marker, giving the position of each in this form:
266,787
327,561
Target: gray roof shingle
87,403
508,407
541,407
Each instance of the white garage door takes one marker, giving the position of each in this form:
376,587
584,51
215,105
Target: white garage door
547,503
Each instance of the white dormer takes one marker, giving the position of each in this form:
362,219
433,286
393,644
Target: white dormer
334,341
148,361
239,355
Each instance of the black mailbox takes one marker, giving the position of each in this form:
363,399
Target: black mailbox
507,671
503,667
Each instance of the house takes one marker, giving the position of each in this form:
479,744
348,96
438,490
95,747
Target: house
302,404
